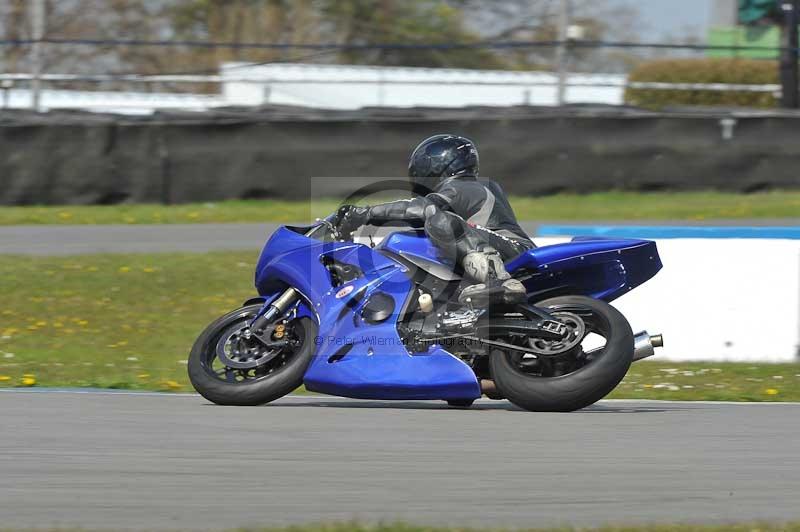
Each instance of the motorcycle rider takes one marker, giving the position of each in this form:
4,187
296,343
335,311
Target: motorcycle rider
469,220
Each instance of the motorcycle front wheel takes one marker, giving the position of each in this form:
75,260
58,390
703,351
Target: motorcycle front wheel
230,366
564,376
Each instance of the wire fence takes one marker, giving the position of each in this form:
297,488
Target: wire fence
576,43
210,77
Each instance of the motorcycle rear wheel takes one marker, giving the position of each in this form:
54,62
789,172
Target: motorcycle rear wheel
587,382
282,374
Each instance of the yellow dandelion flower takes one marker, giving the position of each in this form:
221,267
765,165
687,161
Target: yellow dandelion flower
64,215
172,385
82,323
4,378
124,269
92,269
193,215
771,391
58,324
122,342
28,380
148,270
41,323
144,375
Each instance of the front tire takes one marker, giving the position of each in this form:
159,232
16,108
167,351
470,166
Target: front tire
581,387
257,386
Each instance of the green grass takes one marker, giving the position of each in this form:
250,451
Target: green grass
402,527
128,321
710,382
117,321
604,206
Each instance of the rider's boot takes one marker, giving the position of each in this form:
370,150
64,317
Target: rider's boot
494,283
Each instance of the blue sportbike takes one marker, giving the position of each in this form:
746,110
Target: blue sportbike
382,321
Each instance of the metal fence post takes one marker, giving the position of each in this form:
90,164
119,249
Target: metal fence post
561,51
6,87
789,55
38,24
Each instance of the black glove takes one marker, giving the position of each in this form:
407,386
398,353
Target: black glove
351,218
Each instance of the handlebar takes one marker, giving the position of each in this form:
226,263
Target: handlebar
328,222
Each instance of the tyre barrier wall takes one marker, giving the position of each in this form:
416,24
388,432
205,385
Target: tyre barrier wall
726,296
79,158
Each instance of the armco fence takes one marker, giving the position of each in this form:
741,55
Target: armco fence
80,158
724,294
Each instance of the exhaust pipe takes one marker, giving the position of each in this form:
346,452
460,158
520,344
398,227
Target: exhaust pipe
489,389
488,386
644,345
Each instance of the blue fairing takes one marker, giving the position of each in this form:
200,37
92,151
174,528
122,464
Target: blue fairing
413,244
596,267
355,358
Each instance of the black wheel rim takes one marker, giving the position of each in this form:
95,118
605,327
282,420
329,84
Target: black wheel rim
236,356
559,358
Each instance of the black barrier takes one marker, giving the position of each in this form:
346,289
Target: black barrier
80,158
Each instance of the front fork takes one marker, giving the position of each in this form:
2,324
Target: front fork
290,295
274,310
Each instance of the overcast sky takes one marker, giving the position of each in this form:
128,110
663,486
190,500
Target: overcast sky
673,17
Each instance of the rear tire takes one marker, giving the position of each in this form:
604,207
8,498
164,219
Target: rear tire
584,386
276,384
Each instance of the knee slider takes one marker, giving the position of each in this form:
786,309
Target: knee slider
476,266
484,264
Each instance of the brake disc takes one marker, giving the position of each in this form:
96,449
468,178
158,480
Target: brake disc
238,349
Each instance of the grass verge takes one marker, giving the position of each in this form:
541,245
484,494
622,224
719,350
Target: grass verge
602,206
402,527
128,321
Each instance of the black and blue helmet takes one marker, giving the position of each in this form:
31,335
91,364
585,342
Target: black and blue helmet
440,157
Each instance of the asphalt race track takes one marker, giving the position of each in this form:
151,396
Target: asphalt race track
115,460
84,239
87,239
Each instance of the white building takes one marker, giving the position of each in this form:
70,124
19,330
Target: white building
353,87
336,87
122,102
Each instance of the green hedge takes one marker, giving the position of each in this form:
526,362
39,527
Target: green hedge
738,71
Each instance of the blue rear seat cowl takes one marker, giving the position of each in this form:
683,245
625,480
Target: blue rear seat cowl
603,268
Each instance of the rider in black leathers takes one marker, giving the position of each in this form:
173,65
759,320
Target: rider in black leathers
468,219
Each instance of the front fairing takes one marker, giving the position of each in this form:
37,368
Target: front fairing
354,357
290,258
